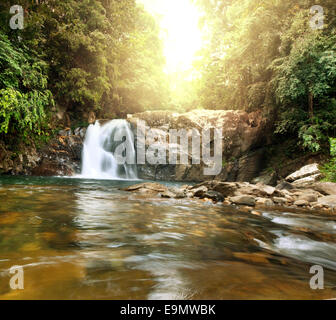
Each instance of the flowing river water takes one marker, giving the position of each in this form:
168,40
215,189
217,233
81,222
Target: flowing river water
86,239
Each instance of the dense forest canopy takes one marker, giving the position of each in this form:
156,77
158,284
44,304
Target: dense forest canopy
81,56
265,55
107,56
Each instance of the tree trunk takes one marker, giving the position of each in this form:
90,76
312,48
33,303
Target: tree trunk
311,105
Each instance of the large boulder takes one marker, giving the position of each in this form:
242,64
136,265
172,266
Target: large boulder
325,188
308,173
244,138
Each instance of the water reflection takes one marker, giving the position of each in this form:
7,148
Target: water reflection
81,239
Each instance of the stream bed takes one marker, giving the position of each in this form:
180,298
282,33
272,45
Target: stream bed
86,239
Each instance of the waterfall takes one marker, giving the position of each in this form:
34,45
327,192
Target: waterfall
99,151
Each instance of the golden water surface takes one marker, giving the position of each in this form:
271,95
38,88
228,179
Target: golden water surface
82,239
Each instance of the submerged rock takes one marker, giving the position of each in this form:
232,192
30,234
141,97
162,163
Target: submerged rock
148,188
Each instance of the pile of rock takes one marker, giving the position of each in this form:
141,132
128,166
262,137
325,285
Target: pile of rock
319,196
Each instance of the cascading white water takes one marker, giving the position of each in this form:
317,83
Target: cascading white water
101,141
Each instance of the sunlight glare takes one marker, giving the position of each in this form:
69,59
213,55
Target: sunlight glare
180,32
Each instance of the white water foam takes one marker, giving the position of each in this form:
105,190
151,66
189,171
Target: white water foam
101,142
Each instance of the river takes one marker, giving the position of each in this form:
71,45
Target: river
86,239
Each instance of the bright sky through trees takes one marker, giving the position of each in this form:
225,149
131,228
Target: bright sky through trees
180,32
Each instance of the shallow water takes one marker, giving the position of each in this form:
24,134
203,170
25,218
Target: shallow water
86,239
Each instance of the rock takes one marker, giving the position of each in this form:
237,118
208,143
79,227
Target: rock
49,168
65,133
149,188
168,194
77,131
243,200
91,117
179,193
306,171
326,188
225,188
268,189
82,133
284,185
256,213
279,200
308,197
214,195
264,202
329,201
317,205
255,190
289,198
301,203
199,192
309,179
244,138
269,179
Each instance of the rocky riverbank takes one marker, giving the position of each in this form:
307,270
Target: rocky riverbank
245,141
61,156
317,196
301,190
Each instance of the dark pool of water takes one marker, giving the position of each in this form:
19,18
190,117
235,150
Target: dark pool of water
85,239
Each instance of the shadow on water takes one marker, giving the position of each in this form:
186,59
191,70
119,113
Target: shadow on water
86,239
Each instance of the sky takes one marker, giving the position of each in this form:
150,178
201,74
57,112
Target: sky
180,33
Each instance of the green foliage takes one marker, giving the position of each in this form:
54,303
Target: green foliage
91,55
105,56
329,169
264,55
23,94
332,147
